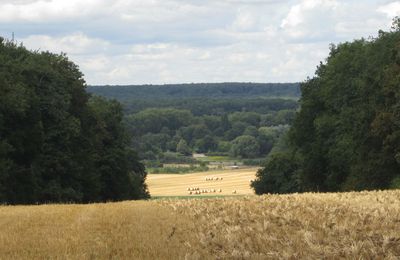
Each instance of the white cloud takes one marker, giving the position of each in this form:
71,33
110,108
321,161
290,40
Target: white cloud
73,44
96,63
391,10
48,10
170,41
244,21
304,19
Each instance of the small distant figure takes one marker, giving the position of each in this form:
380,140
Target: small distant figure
234,192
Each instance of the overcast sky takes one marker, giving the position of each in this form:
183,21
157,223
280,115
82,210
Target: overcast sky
182,41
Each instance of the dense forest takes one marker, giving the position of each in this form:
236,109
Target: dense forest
198,90
213,106
239,134
346,135
57,143
170,122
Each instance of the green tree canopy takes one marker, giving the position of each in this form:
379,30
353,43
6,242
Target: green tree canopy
183,148
56,143
245,146
346,135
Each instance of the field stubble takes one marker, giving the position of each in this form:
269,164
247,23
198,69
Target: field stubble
177,184
364,225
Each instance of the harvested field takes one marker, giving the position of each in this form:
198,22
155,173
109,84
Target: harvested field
363,225
177,184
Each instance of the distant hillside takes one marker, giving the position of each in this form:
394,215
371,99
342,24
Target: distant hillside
205,118
211,90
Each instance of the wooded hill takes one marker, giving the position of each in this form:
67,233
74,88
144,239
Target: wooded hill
237,119
198,90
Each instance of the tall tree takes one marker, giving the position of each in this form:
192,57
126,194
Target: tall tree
346,135
49,137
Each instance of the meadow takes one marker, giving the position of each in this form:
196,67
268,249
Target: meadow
357,225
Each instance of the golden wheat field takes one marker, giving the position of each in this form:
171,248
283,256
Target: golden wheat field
364,225
177,184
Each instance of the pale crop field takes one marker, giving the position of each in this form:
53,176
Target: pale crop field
363,225
177,184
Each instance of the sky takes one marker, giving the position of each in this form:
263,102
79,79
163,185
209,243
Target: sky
185,41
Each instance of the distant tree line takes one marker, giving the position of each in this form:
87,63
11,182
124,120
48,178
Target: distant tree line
213,106
346,135
198,90
57,143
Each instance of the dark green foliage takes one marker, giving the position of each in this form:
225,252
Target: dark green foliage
179,170
121,176
201,90
249,118
347,132
205,99
395,183
254,162
170,157
156,131
245,146
207,116
183,148
55,144
157,120
280,175
213,106
206,144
